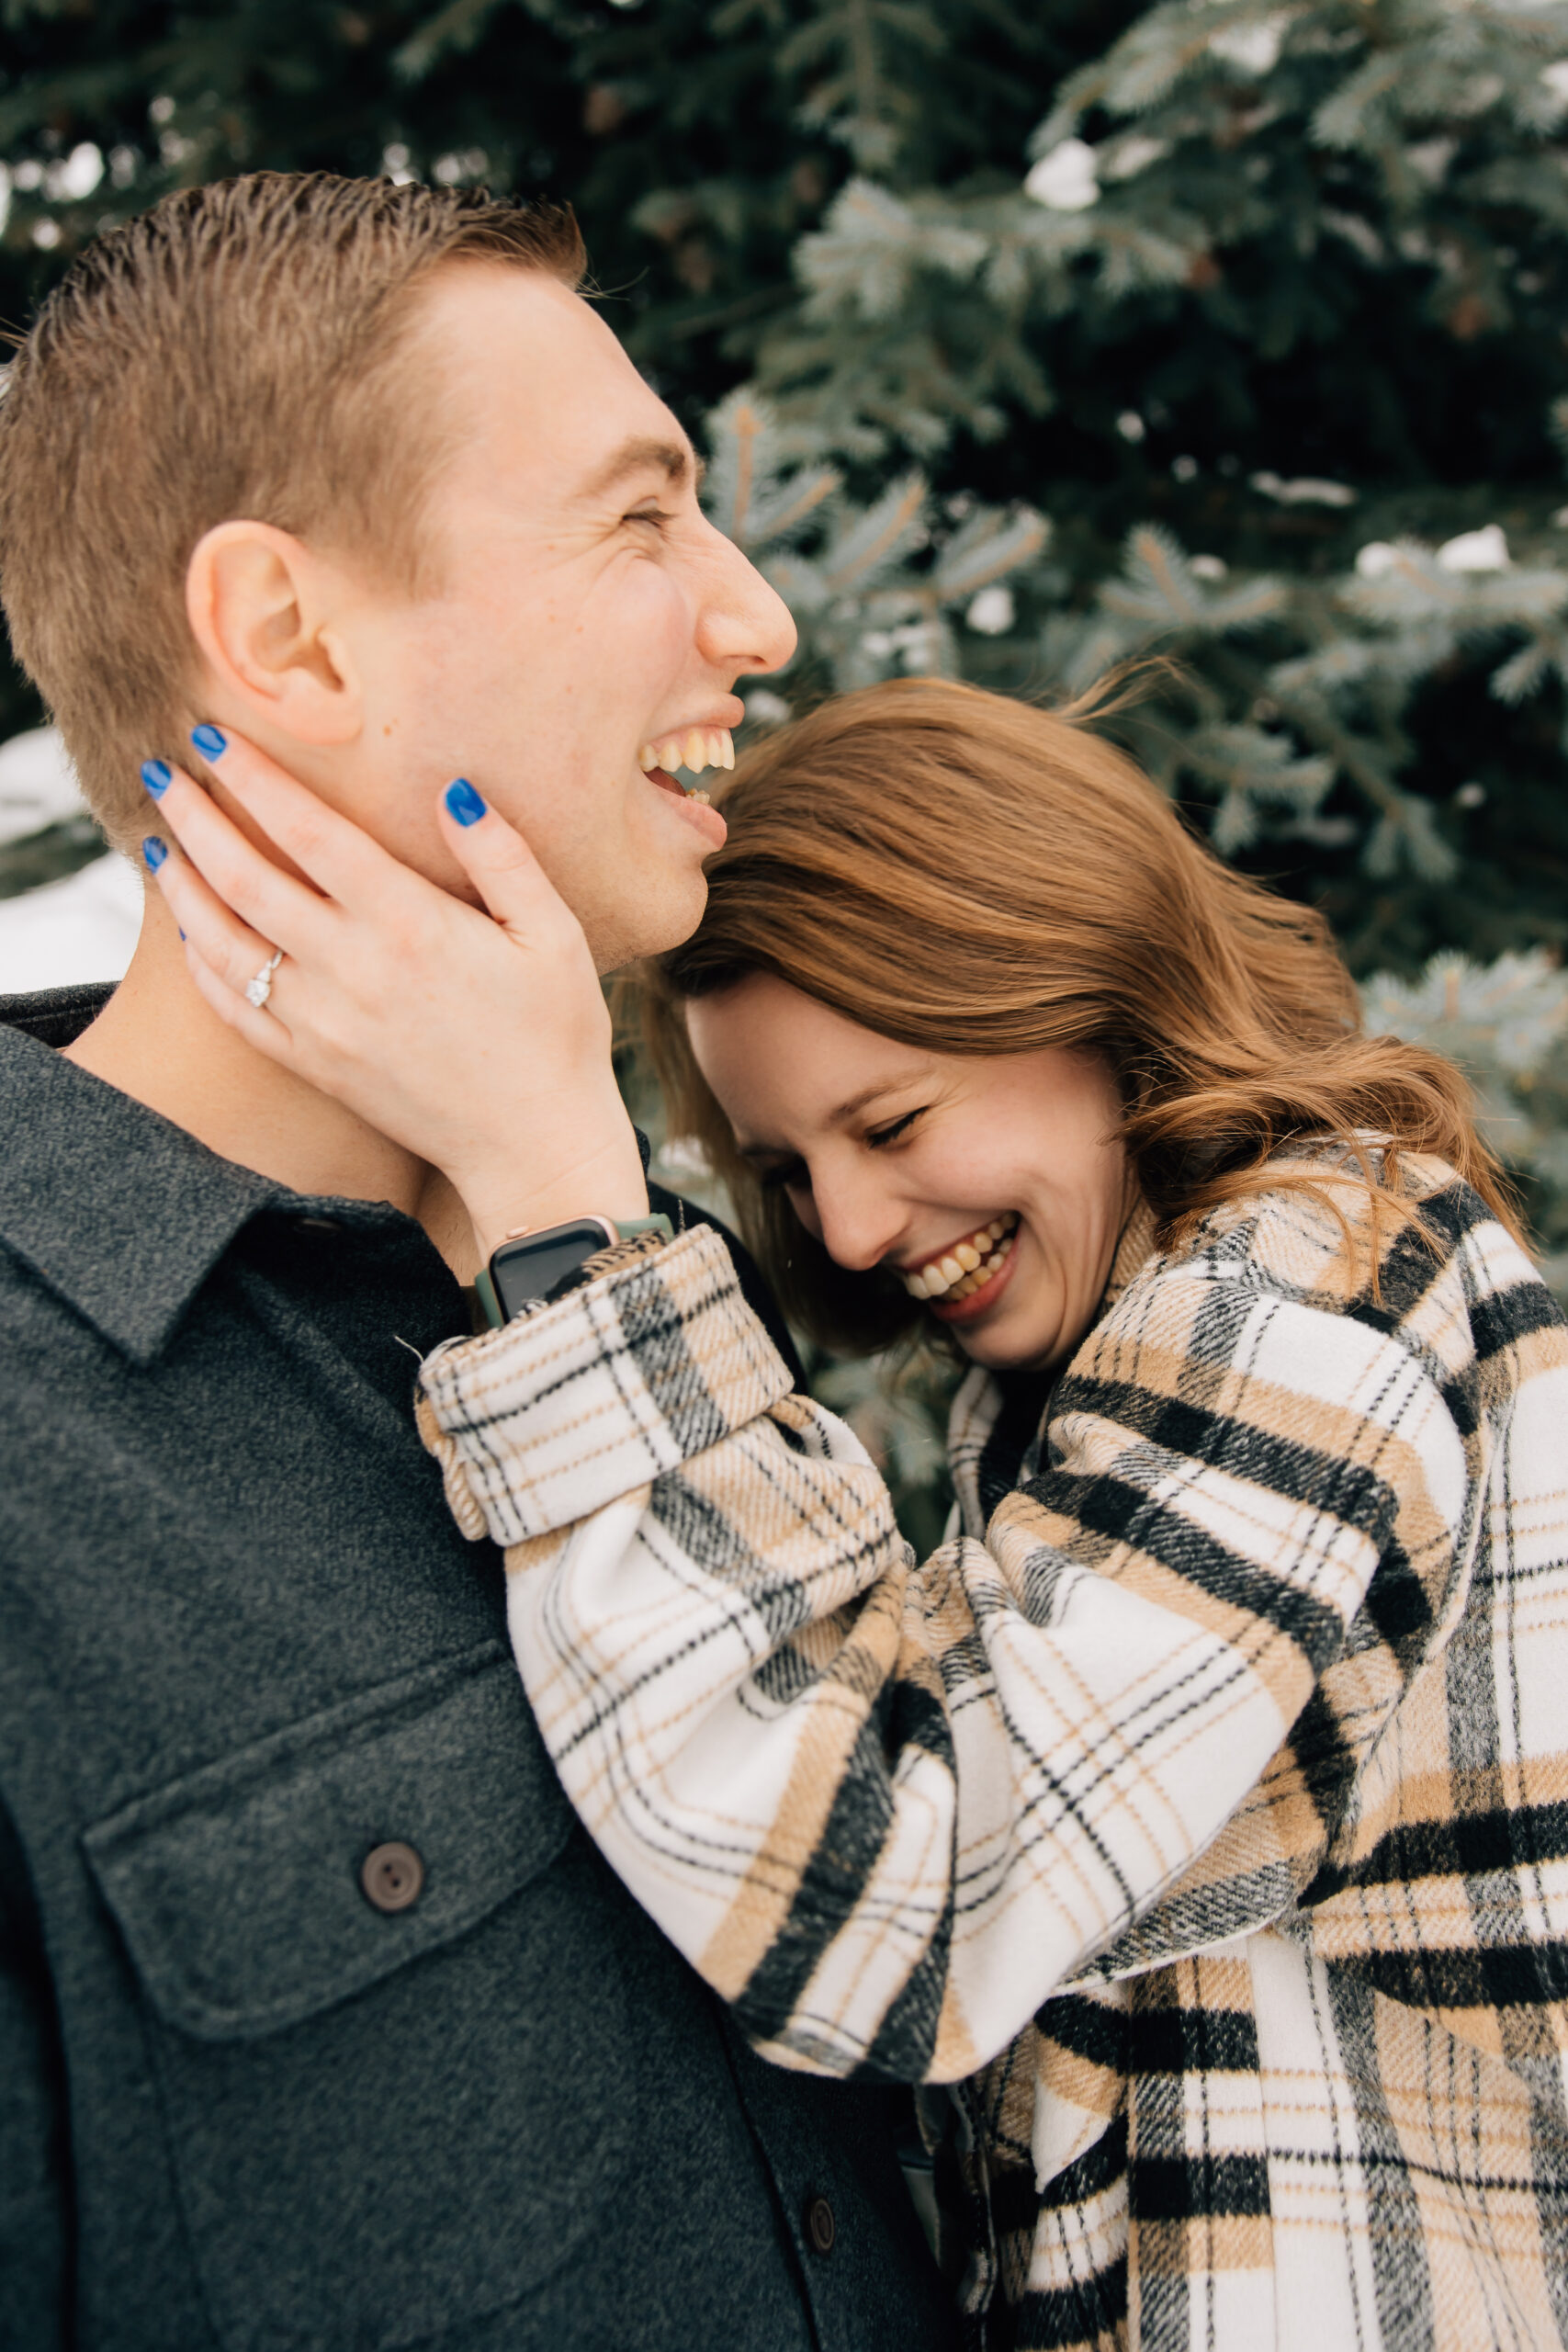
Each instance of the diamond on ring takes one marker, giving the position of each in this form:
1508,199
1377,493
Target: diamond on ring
258,990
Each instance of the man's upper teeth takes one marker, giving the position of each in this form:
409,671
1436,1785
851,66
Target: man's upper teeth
694,749
968,1265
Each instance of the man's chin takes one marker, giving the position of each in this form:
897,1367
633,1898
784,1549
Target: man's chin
661,918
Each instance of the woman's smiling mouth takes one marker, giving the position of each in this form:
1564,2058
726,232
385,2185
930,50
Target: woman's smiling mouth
965,1274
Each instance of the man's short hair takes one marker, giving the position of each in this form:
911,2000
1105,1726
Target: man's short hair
241,351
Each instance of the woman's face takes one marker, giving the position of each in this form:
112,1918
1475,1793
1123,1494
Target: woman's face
996,1187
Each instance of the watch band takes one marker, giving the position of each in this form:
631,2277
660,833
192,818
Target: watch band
507,1287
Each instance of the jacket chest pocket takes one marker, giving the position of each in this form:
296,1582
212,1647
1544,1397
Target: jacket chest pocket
388,2020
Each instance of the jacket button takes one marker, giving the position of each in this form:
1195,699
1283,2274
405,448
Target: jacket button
820,2227
392,1876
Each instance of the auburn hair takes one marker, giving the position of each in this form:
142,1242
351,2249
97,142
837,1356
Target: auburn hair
246,351
970,873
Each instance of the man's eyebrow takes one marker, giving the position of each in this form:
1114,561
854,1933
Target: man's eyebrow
674,459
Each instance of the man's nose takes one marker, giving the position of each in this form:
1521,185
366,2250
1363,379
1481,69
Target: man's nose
744,624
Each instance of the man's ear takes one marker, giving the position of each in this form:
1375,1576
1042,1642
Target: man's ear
263,609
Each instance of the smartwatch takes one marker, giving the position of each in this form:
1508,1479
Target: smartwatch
524,1271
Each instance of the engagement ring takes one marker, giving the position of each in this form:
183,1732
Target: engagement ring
260,988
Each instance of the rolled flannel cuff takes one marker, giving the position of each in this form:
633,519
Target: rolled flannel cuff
582,1401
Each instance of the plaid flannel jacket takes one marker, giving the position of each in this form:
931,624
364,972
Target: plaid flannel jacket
1201,1810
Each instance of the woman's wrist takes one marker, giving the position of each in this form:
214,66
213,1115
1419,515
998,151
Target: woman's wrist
604,1179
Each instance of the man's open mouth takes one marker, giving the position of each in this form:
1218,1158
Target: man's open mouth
691,748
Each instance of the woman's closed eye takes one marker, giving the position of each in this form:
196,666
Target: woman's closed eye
879,1137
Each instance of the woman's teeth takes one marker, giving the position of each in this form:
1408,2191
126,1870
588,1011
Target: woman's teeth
969,1266
694,749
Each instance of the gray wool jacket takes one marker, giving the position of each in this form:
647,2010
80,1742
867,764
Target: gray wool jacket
251,2095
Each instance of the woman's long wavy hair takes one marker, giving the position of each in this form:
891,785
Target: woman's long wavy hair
968,874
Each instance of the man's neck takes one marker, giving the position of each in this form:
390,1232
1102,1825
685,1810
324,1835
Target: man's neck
159,1041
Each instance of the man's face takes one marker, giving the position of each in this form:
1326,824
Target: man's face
583,608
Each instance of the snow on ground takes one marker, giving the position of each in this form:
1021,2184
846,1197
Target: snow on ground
38,783
81,928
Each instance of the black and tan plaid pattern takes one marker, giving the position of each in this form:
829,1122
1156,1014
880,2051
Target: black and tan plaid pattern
1201,1812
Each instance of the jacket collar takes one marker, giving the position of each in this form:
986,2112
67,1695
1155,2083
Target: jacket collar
120,1212
1134,1251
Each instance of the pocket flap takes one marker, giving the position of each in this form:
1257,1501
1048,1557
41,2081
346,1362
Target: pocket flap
238,1888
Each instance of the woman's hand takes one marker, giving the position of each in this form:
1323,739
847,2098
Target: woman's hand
480,1043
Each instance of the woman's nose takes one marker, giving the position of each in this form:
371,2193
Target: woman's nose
860,1226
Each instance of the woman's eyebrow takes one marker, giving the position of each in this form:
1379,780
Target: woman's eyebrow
857,1103
842,1114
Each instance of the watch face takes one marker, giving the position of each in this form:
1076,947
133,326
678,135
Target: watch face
530,1269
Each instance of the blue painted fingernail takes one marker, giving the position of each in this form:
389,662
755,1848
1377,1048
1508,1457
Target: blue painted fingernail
154,851
210,741
464,802
157,776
